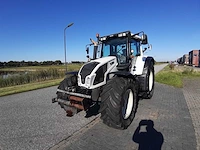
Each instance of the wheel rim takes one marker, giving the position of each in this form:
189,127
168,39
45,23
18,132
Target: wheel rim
128,104
150,80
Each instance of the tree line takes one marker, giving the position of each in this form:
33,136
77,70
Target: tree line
32,63
28,63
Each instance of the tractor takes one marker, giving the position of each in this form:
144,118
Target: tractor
114,79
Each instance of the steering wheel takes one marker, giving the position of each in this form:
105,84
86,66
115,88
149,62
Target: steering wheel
120,52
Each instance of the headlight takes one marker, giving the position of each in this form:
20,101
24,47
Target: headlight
86,70
121,34
89,80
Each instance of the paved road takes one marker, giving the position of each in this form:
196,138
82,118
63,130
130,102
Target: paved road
173,128
159,67
30,121
191,91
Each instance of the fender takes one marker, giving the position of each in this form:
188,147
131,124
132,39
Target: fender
143,77
147,63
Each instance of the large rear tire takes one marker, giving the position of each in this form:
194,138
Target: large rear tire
119,102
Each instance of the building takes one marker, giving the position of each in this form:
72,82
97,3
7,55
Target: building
185,59
194,58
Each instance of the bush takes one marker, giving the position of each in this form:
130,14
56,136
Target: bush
187,71
171,66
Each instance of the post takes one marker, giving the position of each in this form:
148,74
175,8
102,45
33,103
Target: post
65,42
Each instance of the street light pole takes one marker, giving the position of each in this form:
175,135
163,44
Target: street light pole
69,25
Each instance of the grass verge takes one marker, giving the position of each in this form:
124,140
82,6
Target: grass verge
28,87
175,76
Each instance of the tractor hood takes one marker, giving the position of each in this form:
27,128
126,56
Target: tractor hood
94,73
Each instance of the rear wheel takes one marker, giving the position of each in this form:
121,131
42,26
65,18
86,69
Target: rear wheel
119,102
150,82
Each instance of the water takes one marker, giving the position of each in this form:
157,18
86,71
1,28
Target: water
6,74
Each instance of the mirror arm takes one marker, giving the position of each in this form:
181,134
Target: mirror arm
144,49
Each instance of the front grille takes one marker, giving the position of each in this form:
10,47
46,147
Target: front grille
86,70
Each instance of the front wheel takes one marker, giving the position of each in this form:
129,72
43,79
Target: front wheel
119,102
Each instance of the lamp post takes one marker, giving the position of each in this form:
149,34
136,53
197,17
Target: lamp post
69,25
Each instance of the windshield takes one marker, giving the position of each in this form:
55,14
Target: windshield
118,47
114,47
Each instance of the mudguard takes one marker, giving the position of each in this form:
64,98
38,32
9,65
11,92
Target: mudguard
148,61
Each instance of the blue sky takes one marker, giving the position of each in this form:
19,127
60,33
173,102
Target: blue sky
32,30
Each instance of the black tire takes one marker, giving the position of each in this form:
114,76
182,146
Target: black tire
67,82
150,82
63,86
114,109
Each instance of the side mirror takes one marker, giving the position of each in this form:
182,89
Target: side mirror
144,39
87,50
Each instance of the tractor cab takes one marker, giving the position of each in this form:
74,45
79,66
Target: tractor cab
123,45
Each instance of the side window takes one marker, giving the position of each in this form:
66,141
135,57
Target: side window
113,51
135,47
106,50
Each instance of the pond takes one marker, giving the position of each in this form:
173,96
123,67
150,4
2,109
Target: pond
6,74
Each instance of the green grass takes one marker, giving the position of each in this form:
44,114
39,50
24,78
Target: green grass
28,87
175,77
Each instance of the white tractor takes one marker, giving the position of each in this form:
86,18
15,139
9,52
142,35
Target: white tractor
115,79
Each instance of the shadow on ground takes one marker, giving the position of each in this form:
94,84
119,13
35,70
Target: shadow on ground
150,139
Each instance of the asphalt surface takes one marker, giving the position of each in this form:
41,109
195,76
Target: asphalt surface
191,91
172,130
30,121
173,111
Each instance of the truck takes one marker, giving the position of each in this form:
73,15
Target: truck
112,81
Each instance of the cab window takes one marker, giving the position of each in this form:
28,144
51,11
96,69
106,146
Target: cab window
135,47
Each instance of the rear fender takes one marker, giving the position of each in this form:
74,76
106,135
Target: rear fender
143,78
148,61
